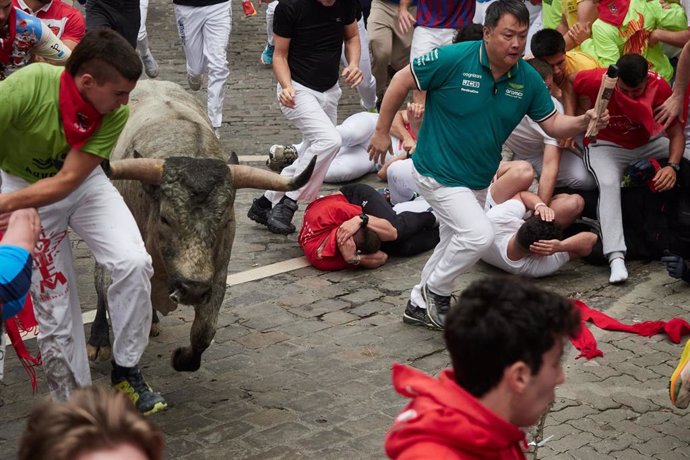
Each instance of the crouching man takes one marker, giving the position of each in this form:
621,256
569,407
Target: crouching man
56,127
356,227
533,246
506,339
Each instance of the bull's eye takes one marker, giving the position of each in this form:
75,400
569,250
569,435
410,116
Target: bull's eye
165,221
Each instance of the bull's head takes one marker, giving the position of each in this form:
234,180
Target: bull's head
193,220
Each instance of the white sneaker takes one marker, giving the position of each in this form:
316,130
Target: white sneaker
150,64
194,82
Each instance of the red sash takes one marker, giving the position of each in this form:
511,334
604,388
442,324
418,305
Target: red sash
80,119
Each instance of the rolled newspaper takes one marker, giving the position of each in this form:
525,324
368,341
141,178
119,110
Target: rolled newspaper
608,83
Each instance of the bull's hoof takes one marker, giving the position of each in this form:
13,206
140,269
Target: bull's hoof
185,360
94,352
155,330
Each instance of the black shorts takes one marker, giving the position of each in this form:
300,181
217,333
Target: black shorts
123,16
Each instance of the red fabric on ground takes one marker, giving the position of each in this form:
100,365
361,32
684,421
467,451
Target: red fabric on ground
585,342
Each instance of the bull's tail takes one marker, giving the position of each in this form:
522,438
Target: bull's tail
249,177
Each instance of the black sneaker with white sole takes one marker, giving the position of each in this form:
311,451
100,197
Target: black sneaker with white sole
417,316
437,306
280,217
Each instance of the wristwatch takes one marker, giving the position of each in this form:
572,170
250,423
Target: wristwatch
365,219
675,166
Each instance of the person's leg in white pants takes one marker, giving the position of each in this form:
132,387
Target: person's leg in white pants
367,88
270,12
464,230
607,161
401,184
352,160
190,24
216,36
99,215
150,64
314,115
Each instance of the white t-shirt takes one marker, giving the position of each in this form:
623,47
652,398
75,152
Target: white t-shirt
528,139
506,219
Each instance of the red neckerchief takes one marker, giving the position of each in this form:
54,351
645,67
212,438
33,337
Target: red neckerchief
80,119
6,42
613,11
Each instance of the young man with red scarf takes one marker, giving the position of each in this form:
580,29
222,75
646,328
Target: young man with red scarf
505,338
632,134
56,127
22,37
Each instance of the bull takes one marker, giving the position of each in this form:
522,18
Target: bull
169,167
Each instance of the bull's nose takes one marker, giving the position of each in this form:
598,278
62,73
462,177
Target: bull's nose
190,292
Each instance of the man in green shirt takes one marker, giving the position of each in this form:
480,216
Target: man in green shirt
56,127
477,93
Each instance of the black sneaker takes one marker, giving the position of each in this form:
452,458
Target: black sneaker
260,210
437,306
130,380
280,217
417,316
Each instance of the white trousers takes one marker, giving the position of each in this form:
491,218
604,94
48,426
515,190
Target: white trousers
607,162
315,115
270,12
366,89
572,171
426,39
144,10
401,183
464,232
98,214
205,32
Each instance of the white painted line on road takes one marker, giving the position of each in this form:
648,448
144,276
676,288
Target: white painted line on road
267,270
232,280
253,158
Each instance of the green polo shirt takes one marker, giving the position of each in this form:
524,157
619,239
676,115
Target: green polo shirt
468,115
32,142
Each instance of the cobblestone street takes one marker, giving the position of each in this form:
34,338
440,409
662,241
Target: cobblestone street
300,365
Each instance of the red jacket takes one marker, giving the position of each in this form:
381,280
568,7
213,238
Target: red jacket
321,221
445,422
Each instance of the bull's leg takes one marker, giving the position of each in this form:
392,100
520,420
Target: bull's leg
202,333
155,325
98,345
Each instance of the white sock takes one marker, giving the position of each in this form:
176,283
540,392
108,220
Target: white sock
618,271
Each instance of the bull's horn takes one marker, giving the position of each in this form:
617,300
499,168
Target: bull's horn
249,177
147,170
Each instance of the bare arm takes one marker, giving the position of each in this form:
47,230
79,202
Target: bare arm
23,229
383,228
579,245
549,172
281,70
564,126
535,204
673,106
665,178
676,38
353,51
401,84
405,19
78,165
398,130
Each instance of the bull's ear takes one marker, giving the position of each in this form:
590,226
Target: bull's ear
233,160
136,154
